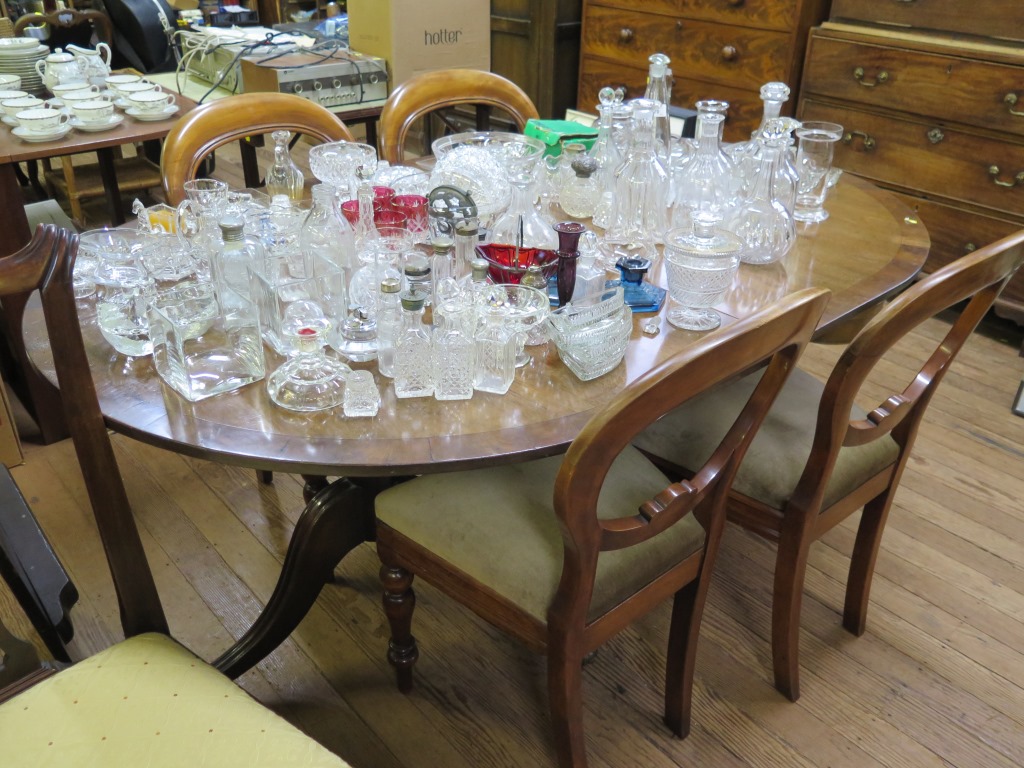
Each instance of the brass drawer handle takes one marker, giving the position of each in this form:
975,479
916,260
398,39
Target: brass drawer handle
993,171
868,141
626,35
880,78
729,53
735,3
1010,100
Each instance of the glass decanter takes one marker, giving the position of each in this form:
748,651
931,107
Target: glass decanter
521,230
310,380
707,181
641,193
659,89
773,96
326,234
701,264
684,148
762,221
606,152
284,176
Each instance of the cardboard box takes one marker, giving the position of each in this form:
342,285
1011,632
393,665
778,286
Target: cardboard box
416,36
10,445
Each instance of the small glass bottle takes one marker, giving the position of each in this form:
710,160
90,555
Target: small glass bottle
389,324
416,270
606,152
359,337
534,278
362,399
454,355
442,264
582,192
284,176
414,373
571,151
659,89
466,239
478,278
231,263
495,365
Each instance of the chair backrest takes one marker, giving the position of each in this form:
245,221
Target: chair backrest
976,278
429,92
774,337
46,264
66,19
204,129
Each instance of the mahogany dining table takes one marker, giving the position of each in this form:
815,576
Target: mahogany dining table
870,248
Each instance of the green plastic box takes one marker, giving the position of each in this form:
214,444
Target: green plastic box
555,132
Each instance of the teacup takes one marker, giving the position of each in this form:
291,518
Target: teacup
11,82
114,82
93,111
12,93
151,101
63,88
77,97
12,107
128,89
42,120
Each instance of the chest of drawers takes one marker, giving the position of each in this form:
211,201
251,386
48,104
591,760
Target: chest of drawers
936,118
721,49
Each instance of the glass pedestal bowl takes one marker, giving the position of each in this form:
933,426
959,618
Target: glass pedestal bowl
522,308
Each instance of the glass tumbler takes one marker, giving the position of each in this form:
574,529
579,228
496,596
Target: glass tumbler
817,142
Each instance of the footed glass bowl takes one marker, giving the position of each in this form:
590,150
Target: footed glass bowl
592,334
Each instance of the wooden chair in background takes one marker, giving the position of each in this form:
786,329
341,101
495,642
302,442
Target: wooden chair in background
428,93
84,181
819,458
566,551
146,695
198,133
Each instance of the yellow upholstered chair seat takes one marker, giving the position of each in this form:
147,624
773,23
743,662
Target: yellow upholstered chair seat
144,703
462,516
779,453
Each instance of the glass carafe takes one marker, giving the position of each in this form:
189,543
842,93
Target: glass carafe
641,193
284,176
707,181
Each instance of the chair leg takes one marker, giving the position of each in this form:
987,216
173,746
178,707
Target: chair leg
399,603
862,561
682,655
787,599
565,694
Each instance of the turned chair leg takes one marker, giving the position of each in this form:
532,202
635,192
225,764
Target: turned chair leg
682,654
790,570
565,694
399,603
862,561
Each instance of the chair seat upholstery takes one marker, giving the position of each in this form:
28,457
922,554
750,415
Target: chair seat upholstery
462,517
780,450
106,710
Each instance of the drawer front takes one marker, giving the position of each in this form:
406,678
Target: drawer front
984,94
926,156
744,106
989,18
736,56
760,14
956,232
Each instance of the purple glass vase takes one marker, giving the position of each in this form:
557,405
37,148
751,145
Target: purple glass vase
569,233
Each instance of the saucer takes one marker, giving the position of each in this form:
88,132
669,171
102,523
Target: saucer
11,121
98,125
161,114
33,137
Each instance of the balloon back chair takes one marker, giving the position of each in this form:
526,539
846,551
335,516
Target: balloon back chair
565,551
145,700
199,132
819,457
430,92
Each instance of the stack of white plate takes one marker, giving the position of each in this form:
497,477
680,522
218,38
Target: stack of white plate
18,56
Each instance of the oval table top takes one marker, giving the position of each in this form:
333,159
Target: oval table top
870,248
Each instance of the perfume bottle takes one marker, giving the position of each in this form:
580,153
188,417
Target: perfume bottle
581,193
284,176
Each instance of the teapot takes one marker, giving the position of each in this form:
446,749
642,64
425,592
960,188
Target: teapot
59,67
95,63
